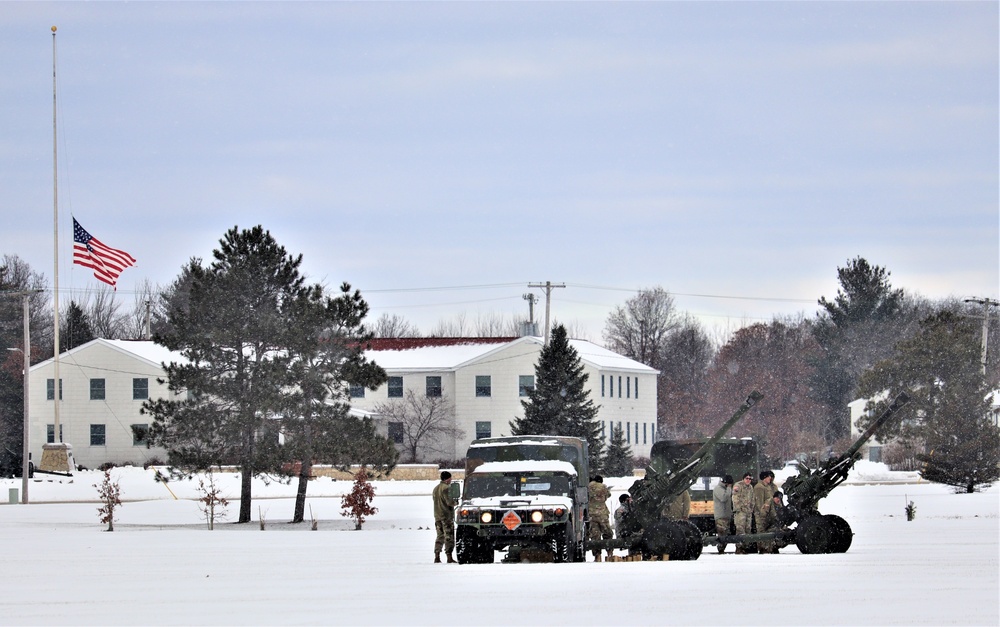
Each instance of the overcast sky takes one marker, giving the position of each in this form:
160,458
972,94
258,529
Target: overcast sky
735,154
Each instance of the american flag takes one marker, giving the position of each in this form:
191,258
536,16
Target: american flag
106,262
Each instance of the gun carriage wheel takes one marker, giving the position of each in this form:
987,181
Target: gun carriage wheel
680,539
816,534
842,534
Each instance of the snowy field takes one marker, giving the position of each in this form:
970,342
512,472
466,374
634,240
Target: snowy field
162,566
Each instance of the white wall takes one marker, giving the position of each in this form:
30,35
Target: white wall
78,412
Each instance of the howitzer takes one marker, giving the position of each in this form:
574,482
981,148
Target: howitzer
814,532
643,527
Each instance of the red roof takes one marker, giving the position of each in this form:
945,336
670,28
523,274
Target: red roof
407,343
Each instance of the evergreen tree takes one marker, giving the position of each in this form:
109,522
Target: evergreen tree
76,330
618,460
234,331
560,403
855,330
327,355
940,369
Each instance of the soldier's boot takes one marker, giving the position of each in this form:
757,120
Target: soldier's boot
722,548
611,554
437,558
451,560
597,557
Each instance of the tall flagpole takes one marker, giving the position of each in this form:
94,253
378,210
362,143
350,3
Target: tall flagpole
57,458
57,394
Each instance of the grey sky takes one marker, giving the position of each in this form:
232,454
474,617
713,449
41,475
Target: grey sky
723,149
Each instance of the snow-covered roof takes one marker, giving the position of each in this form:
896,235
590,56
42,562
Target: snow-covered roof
145,350
526,466
434,356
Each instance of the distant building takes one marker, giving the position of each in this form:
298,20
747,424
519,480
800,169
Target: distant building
487,378
103,386
105,382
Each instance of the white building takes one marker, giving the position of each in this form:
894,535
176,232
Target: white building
487,378
104,384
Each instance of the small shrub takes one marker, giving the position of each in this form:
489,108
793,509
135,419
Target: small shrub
356,504
110,494
212,503
911,511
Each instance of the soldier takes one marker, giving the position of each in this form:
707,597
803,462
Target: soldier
444,518
597,507
722,508
771,517
624,505
743,508
679,508
763,491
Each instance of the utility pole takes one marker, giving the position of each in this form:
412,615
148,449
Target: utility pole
548,287
986,303
26,354
532,299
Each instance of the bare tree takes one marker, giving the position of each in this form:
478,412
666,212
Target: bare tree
426,424
393,325
134,324
104,313
639,328
457,326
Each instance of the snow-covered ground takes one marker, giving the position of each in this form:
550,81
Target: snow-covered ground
162,566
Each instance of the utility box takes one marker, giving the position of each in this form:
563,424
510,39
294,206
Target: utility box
12,496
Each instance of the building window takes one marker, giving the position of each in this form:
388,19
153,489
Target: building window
628,432
611,386
50,389
628,387
434,386
484,429
602,386
50,431
484,385
97,436
140,435
644,425
97,389
395,387
396,432
604,431
140,389
619,386
525,384
357,391
637,387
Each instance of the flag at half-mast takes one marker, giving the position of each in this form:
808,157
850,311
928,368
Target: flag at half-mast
106,262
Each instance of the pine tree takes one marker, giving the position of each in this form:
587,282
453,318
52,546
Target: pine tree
234,330
76,329
618,460
940,369
328,354
560,403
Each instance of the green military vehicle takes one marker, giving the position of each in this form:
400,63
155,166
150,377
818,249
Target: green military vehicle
526,495
729,456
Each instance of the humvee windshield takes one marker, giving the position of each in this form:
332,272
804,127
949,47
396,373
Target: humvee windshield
516,484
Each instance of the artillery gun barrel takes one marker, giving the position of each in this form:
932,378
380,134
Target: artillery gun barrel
901,399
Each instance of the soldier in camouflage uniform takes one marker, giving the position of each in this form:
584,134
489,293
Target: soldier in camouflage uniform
770,518
743,508
679,508
763,491
599,527
444,518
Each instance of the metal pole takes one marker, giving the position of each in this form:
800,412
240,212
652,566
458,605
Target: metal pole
57,432
25,450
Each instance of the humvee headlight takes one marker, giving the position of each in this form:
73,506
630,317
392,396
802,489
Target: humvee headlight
487,517
559,512
537,516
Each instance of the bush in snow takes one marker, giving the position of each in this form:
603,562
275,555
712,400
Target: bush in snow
356,504
110,493
212,503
